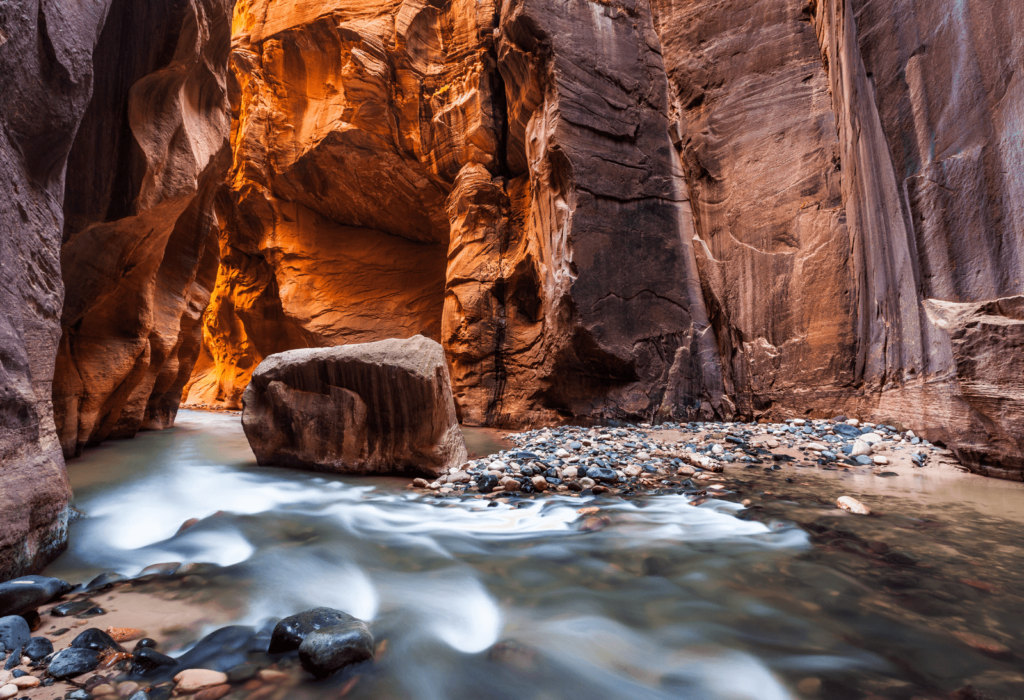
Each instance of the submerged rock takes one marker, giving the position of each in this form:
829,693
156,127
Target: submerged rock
289,633
331,649
381,407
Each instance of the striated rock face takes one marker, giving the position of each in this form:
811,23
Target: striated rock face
367,408
637,210
139,256
45,85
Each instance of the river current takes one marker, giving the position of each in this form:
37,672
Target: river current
651,598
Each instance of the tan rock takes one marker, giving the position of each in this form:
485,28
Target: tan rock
383,407
214,693
851,504
539,483
8,691
26,682
195,679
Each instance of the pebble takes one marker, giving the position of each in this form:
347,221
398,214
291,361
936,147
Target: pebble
27,593
38,648
851,504
214,693
194,679
8,691
539,483
879,459
149,661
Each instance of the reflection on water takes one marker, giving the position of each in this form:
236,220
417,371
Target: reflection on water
666,600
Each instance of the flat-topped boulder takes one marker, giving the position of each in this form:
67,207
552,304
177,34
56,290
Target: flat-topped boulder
369,408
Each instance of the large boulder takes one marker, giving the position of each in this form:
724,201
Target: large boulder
383,407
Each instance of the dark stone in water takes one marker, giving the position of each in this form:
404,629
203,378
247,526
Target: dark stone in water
105,580
95,639
486,483
222,649
38,648
149,662
72,608
289,632
331,649
145,643
73,662
165,569
602,474
14,632
29,592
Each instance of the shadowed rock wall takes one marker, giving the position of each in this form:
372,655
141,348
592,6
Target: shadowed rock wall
45,85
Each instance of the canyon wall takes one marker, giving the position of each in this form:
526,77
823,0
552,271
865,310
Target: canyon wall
139,253
45,86
674,209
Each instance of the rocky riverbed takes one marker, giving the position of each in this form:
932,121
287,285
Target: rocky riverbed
677,458
747,583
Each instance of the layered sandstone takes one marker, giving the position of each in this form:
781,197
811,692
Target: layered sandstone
139,256
45,85
351,121
364,408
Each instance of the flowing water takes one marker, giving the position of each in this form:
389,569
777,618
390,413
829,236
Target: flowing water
654,598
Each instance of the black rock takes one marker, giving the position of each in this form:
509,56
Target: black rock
574,486
149,662
140,695
145,643
289,632
14,632
18,673
221,649
38,648
72,608
331,649
486,483
526,486
15,659
94,611
73,662
95,639
29,592
602,474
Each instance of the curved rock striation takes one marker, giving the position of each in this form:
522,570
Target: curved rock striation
139,256
366,408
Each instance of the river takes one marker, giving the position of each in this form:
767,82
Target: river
661,599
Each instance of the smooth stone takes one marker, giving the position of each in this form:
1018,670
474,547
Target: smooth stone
8,691
860,448
242,672
147,662
72,608
224,648
539,483
289,632
29,592
863,459
871,438
79,695
140,695
561,453
38,648
194,679
879,459
144,643
105,580
13,660
95,639
26,681
14,632
851,504
486,483
331,649
602,474
846,430
73,662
